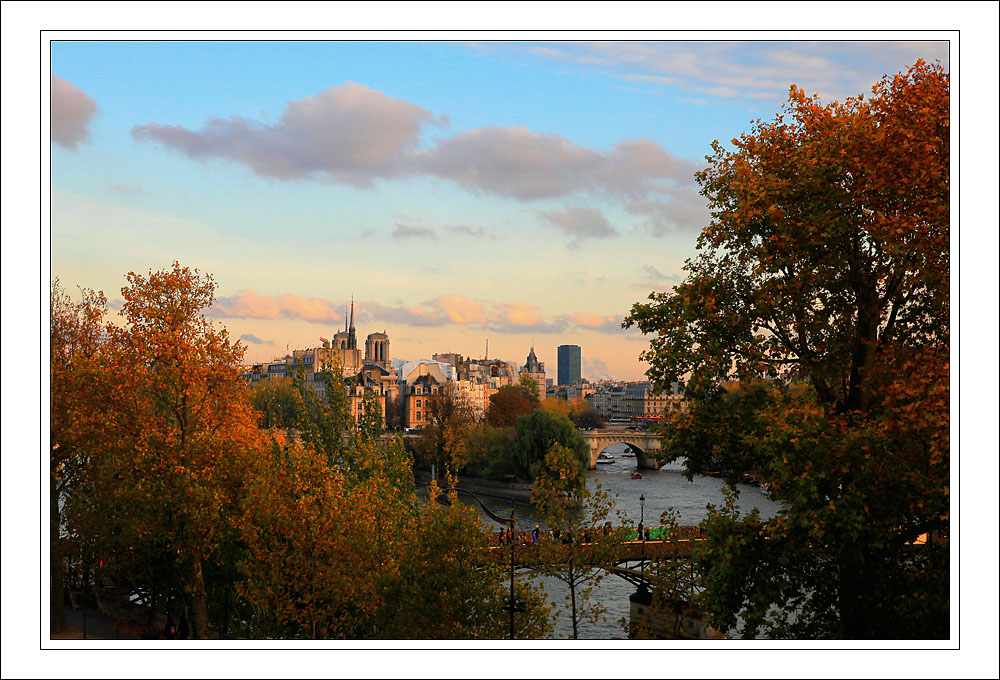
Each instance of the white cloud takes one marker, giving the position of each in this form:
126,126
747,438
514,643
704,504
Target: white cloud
404,231
753,70
525,165
349,134
580,223
354,135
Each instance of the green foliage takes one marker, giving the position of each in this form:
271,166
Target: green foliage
278,403
536,433
529,384
461,588
519,451
325,422
674,596
579,544
489,452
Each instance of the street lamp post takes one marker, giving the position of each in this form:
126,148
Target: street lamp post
642,531
443,499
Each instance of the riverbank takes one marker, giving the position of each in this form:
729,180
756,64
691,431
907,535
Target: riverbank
509,491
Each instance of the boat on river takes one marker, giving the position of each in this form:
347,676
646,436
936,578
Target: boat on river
605,458
637,475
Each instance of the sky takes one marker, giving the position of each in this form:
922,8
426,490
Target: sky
521,193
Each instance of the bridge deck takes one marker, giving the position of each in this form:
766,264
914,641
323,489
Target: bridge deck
626,551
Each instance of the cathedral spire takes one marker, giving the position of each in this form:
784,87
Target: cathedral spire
352,338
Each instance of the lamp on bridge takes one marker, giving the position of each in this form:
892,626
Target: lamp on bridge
642,530
511,604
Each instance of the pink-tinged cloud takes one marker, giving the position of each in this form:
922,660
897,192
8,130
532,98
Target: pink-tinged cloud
518,313
521,317
460,310
349,134
71,110
247,304
595,321
445,310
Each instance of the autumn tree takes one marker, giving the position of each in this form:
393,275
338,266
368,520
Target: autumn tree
510,403
442,440
824,271
337,557
162,482
585,416
76,383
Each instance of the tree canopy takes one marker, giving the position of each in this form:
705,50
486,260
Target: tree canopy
510,403
824,278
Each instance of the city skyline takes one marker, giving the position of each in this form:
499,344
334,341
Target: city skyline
516,192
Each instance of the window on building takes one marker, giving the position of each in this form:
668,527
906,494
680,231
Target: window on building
418,415
418,403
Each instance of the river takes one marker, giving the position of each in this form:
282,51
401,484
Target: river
663,489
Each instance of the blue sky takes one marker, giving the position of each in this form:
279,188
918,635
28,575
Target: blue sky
521,192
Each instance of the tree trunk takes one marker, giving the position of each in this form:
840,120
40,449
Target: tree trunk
863,357
199,600
572,600
57,612
851,603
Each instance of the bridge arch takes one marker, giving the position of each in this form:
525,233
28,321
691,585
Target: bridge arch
645,444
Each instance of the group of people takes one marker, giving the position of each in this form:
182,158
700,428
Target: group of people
510,537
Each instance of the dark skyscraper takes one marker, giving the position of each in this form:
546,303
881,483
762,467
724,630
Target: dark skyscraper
568,360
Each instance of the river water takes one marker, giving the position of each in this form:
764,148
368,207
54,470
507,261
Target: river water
664,488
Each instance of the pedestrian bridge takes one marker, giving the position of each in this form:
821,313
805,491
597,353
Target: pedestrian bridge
645,444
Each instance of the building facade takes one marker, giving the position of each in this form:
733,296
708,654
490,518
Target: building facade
569,364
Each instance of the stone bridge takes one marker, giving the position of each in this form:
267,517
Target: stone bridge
638,441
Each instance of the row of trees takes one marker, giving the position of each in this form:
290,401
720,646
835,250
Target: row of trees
512,440
163,482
